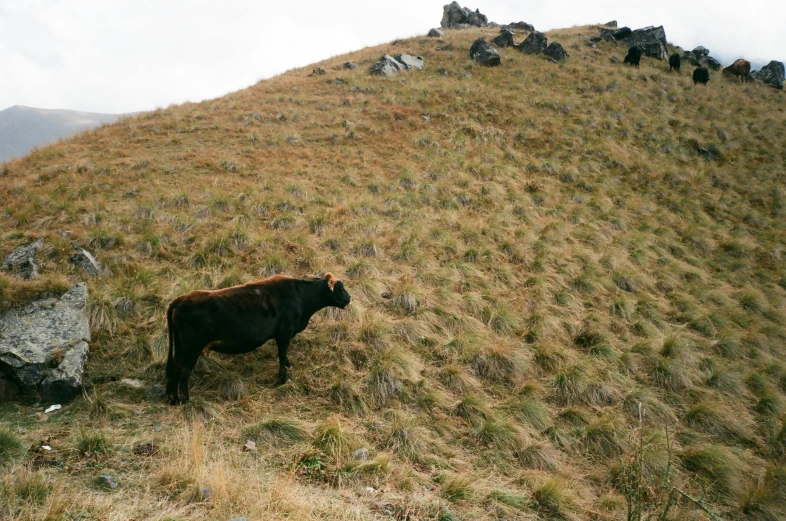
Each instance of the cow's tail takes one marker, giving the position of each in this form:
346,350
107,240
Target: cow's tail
171,371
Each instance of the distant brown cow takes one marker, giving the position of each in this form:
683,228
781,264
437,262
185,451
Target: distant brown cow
240,319
740,68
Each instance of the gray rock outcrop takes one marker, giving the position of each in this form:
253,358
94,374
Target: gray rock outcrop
713,64
22,260
772,74
457,17
535,43
504,39
387,66
436,33
484,54
409,61
700,51
651,41
84,260
556,52
520,26
44,345
612,23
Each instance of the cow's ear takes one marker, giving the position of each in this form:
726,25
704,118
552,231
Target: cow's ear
331,280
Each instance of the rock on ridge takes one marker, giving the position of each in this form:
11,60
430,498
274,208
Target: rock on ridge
772,74
44,345
22,260
535,43
457,17
484,54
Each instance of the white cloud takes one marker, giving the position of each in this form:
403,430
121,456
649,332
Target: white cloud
120,56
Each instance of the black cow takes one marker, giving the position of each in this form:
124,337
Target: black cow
674,62
240,319
701,75
633,57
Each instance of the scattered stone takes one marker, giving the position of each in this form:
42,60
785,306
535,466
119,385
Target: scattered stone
612,23
556,52
709,154
535,43
84,260
319,71
700,52
523,26
650,40
108,481
504,39
436,33
772,74
156,390
53,408
22,260
443,72
387,66
360,454
250,446
614,59
483,53
239,519
204,493
606,35
350,65
146,449
445,46
133,382
44,345
409,61
385,506
455,16
371,490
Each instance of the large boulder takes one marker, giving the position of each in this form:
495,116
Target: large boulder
504,39
457,17
535,43
713,64
521,26
700,51
409,61
621,33
483,53
651,41
21,261
436,33
387,66
44,345
556,52
772,74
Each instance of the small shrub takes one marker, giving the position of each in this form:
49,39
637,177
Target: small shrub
92,443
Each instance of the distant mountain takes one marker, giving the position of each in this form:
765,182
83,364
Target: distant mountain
24,128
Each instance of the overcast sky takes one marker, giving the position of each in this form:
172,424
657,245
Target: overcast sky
131,55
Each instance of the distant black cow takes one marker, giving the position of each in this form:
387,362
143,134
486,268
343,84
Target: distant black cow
633,57
674,62
701,75
240,319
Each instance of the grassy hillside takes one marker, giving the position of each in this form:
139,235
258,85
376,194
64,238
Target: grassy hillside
534,251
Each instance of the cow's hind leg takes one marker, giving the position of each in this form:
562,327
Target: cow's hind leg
283,362
185,373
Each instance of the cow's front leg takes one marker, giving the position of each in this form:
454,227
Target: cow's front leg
283,362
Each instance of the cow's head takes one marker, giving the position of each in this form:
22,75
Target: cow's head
340,297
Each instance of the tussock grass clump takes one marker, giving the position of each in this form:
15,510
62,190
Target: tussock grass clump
498,433
552,499
346,394
407,438
718,468
276,432
539,456
457,488
11,447
92,443
569,385
457,380
232,389
472,408
497,363
652,408
333,440
529,411
714,419
604,439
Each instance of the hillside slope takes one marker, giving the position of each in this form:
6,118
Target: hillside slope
24,128
536,252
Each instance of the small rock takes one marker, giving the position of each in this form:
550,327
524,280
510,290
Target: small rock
387,66
385,506
535,43
108,481
132,382
350,65
205,492
53,408
250,446
348,124
443,72
614,59
409,61
239,519
484,54
319,71
157,427
156,390
360,454
436,33
612,23
504,39
84,260
146,449
371,490
22,260
556,51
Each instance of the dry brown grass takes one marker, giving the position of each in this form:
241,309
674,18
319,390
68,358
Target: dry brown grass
542,253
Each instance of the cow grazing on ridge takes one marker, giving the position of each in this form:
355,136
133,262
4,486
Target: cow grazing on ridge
740,68
701,75
633,57
240,319
674,62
